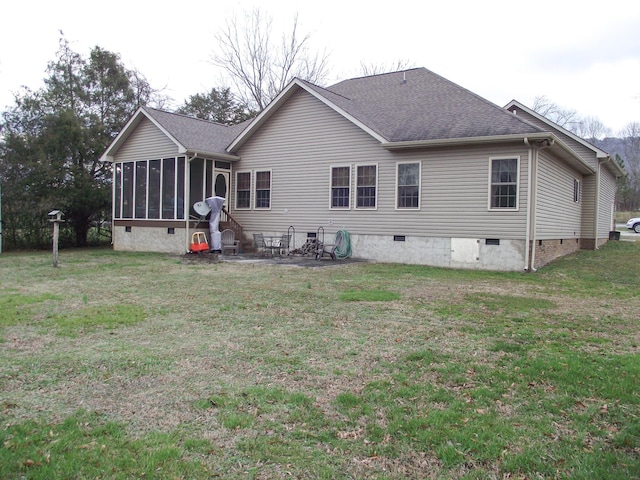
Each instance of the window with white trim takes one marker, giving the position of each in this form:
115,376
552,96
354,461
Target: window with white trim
341,187
243,190
576,190
263,189
408,185
366,186
504,183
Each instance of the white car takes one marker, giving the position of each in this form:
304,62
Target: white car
634,224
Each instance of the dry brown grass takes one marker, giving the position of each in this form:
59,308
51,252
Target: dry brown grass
221,329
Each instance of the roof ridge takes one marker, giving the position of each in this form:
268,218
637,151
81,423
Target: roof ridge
326,89
382,74
189,117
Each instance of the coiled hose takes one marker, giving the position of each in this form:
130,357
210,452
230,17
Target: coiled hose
343,244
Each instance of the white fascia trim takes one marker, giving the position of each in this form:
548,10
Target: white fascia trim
126,131
599,153
281,98
211,156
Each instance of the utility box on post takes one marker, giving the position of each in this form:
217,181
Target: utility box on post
55,216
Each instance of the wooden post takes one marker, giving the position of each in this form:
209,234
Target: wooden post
56,219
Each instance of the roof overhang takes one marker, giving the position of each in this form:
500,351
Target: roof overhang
214,156
128,129
294,86
536,140
599,153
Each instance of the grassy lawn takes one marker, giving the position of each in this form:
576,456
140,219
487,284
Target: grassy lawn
122,365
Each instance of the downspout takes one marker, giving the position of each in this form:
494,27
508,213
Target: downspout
113,201
527,234
187,200
534,201
597,209
531,207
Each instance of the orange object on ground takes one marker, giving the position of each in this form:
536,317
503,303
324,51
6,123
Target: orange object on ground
199,242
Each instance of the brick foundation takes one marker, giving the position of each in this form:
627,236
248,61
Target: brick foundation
548,250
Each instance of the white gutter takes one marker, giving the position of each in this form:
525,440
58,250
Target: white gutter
443,142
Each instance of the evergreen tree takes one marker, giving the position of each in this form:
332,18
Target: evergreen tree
52,140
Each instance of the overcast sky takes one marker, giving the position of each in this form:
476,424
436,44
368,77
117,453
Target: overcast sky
583,55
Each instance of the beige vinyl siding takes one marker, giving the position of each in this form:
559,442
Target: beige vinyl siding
588,205
558,216
305,138
147,142
607,199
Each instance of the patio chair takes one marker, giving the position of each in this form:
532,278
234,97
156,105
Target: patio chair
229,242
258,243
284,244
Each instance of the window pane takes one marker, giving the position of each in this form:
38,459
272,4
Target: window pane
118,190
340,183
408,185
141,189
366,190
168,187
127,190
196,178
243,190
263,189
208,191
154,189
180,188
504,183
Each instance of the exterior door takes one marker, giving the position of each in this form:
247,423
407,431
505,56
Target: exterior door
221,185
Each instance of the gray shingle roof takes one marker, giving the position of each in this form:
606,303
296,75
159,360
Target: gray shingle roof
418,104
195,134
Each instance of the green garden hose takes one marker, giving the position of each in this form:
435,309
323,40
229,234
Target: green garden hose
343,244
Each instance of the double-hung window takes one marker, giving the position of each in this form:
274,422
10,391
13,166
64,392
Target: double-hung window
504,183
366,186
408,185
263,189
243,190
340,187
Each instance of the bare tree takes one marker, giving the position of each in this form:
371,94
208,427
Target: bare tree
259,66
592,129
568,119
368,69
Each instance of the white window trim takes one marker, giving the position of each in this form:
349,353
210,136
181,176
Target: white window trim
355,185
577,198
254,182
505,209
331,167
235,191
413,209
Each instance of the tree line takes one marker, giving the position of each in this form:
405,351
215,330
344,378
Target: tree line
51,139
